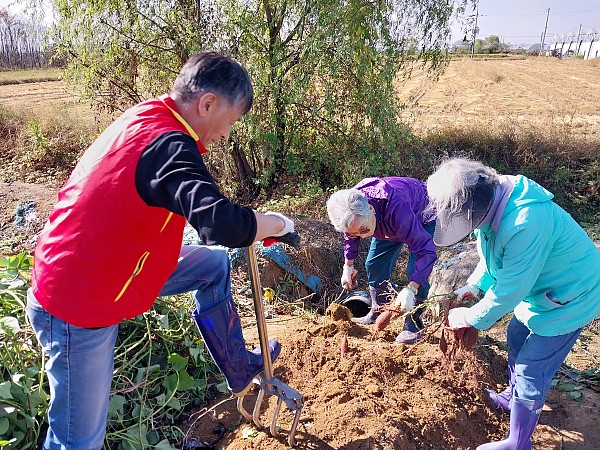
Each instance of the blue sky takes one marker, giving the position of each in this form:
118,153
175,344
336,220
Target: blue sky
523,21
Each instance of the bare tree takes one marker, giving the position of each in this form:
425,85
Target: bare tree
22,42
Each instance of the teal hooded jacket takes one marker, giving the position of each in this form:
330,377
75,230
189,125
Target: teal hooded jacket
537,261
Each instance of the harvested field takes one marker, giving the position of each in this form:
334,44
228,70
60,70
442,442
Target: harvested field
531,92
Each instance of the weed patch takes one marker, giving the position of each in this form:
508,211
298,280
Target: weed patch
162,369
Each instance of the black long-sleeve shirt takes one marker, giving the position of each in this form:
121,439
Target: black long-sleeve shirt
171,174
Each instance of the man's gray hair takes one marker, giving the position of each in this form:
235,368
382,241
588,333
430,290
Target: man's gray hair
448,186
345,206
216,73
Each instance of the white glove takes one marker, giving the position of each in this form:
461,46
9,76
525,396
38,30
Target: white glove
457,319
348,276
467,291
287,228
405,300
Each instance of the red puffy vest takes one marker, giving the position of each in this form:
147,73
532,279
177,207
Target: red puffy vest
104,254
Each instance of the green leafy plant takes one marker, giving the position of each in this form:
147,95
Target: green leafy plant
573,389
162,368
571,381
23,399
38,140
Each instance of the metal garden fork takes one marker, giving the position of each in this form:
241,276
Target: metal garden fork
268,384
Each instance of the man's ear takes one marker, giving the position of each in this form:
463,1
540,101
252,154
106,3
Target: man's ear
206,103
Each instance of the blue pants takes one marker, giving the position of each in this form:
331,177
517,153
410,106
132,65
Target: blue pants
382,258
202,269
81,360
537,359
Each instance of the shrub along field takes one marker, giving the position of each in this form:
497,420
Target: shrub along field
536,116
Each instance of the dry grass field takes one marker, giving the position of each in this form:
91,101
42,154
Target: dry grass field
532,92
36,94
45,100
529,92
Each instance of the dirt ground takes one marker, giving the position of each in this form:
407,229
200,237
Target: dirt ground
387,396
375,395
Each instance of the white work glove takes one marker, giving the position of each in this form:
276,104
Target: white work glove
467,291
288,227
457,319
348,277
405,300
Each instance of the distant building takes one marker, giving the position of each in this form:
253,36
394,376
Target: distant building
586,45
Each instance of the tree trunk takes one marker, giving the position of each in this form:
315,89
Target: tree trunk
244,173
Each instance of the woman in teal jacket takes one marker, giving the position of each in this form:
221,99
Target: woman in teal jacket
535,261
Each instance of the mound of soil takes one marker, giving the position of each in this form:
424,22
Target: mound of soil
376,395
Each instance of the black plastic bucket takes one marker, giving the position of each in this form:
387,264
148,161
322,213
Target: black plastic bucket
358,302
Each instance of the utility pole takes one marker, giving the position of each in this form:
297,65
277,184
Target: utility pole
544,33
474,31
578,39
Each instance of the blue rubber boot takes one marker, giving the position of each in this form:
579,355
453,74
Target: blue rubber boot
524,416
503,400
411,331
378,299
221,330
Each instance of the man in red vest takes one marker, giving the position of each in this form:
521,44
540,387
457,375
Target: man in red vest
113,243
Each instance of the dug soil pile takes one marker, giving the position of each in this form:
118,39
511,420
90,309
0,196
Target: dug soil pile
381,395
375,395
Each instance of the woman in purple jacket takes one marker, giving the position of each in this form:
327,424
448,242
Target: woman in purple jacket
391,211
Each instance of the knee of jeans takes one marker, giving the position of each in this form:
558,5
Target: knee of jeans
207,300
225,265
220,263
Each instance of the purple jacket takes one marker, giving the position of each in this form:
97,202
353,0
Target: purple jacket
399,203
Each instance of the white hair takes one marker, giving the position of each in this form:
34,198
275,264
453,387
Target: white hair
449,185
345,206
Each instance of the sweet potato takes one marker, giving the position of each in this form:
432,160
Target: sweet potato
461,338
344,350
383,320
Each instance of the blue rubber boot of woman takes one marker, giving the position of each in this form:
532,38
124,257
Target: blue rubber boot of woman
524,416
503,400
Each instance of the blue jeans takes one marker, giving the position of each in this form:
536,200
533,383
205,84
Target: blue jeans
202,269
537,359
382,258
81,360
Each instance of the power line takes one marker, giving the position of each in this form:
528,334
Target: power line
512,15
574,12
516,35
530,15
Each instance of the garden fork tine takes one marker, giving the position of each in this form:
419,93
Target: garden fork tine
268,384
